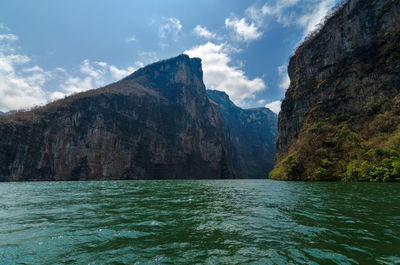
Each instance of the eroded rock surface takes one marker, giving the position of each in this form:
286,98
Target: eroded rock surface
156,123
343,95
253,132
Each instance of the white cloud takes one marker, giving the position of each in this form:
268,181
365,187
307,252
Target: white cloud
261,101
130,39
4,27
274,106
57,95
140,64
34,69
255,15
120,73
96,74
8,37
22,84
290,12
60,69
79,84
92,75
20,87
283,75
102,64
220,75
148,57
172,26
203,32
278,8
169,31
244,31
285,82
311,20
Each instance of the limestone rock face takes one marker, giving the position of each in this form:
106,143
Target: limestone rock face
343,79
156,123
253,133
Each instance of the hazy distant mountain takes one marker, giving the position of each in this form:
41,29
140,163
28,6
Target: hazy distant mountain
253,132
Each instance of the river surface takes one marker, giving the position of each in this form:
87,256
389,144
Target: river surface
199,222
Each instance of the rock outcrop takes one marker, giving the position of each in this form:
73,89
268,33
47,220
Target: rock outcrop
157,123
253,132
340,116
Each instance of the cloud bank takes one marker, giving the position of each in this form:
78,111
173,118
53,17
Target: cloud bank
92,75
20,83
284,77
219,74
274,106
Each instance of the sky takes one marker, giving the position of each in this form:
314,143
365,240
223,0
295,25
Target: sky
52,48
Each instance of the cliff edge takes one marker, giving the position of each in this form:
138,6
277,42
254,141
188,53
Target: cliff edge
253,132
155,123
340,116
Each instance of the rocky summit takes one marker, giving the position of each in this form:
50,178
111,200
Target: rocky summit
157,123
341,114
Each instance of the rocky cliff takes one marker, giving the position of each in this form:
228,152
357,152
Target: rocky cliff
253,132
340,116
156,123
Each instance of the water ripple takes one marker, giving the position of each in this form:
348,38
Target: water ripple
199,222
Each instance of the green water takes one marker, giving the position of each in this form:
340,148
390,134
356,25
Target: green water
203,221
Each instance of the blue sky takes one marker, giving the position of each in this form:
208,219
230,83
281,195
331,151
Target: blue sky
52,48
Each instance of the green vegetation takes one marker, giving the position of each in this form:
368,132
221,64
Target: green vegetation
291,168
367,149
340,118
376,165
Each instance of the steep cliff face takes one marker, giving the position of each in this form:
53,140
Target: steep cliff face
340,116
156,123
253,132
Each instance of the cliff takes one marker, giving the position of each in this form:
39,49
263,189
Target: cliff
157,123
253,132
340,116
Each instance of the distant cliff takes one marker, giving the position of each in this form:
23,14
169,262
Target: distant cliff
340,116
156,123
253,132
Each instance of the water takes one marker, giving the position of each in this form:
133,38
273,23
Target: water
203,221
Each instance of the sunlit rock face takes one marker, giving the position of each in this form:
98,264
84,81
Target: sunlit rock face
157,123
342,78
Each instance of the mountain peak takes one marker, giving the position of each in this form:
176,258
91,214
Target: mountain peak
177,69
156,123
221,98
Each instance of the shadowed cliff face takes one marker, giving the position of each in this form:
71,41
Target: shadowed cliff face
156,123
344,94
253,132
